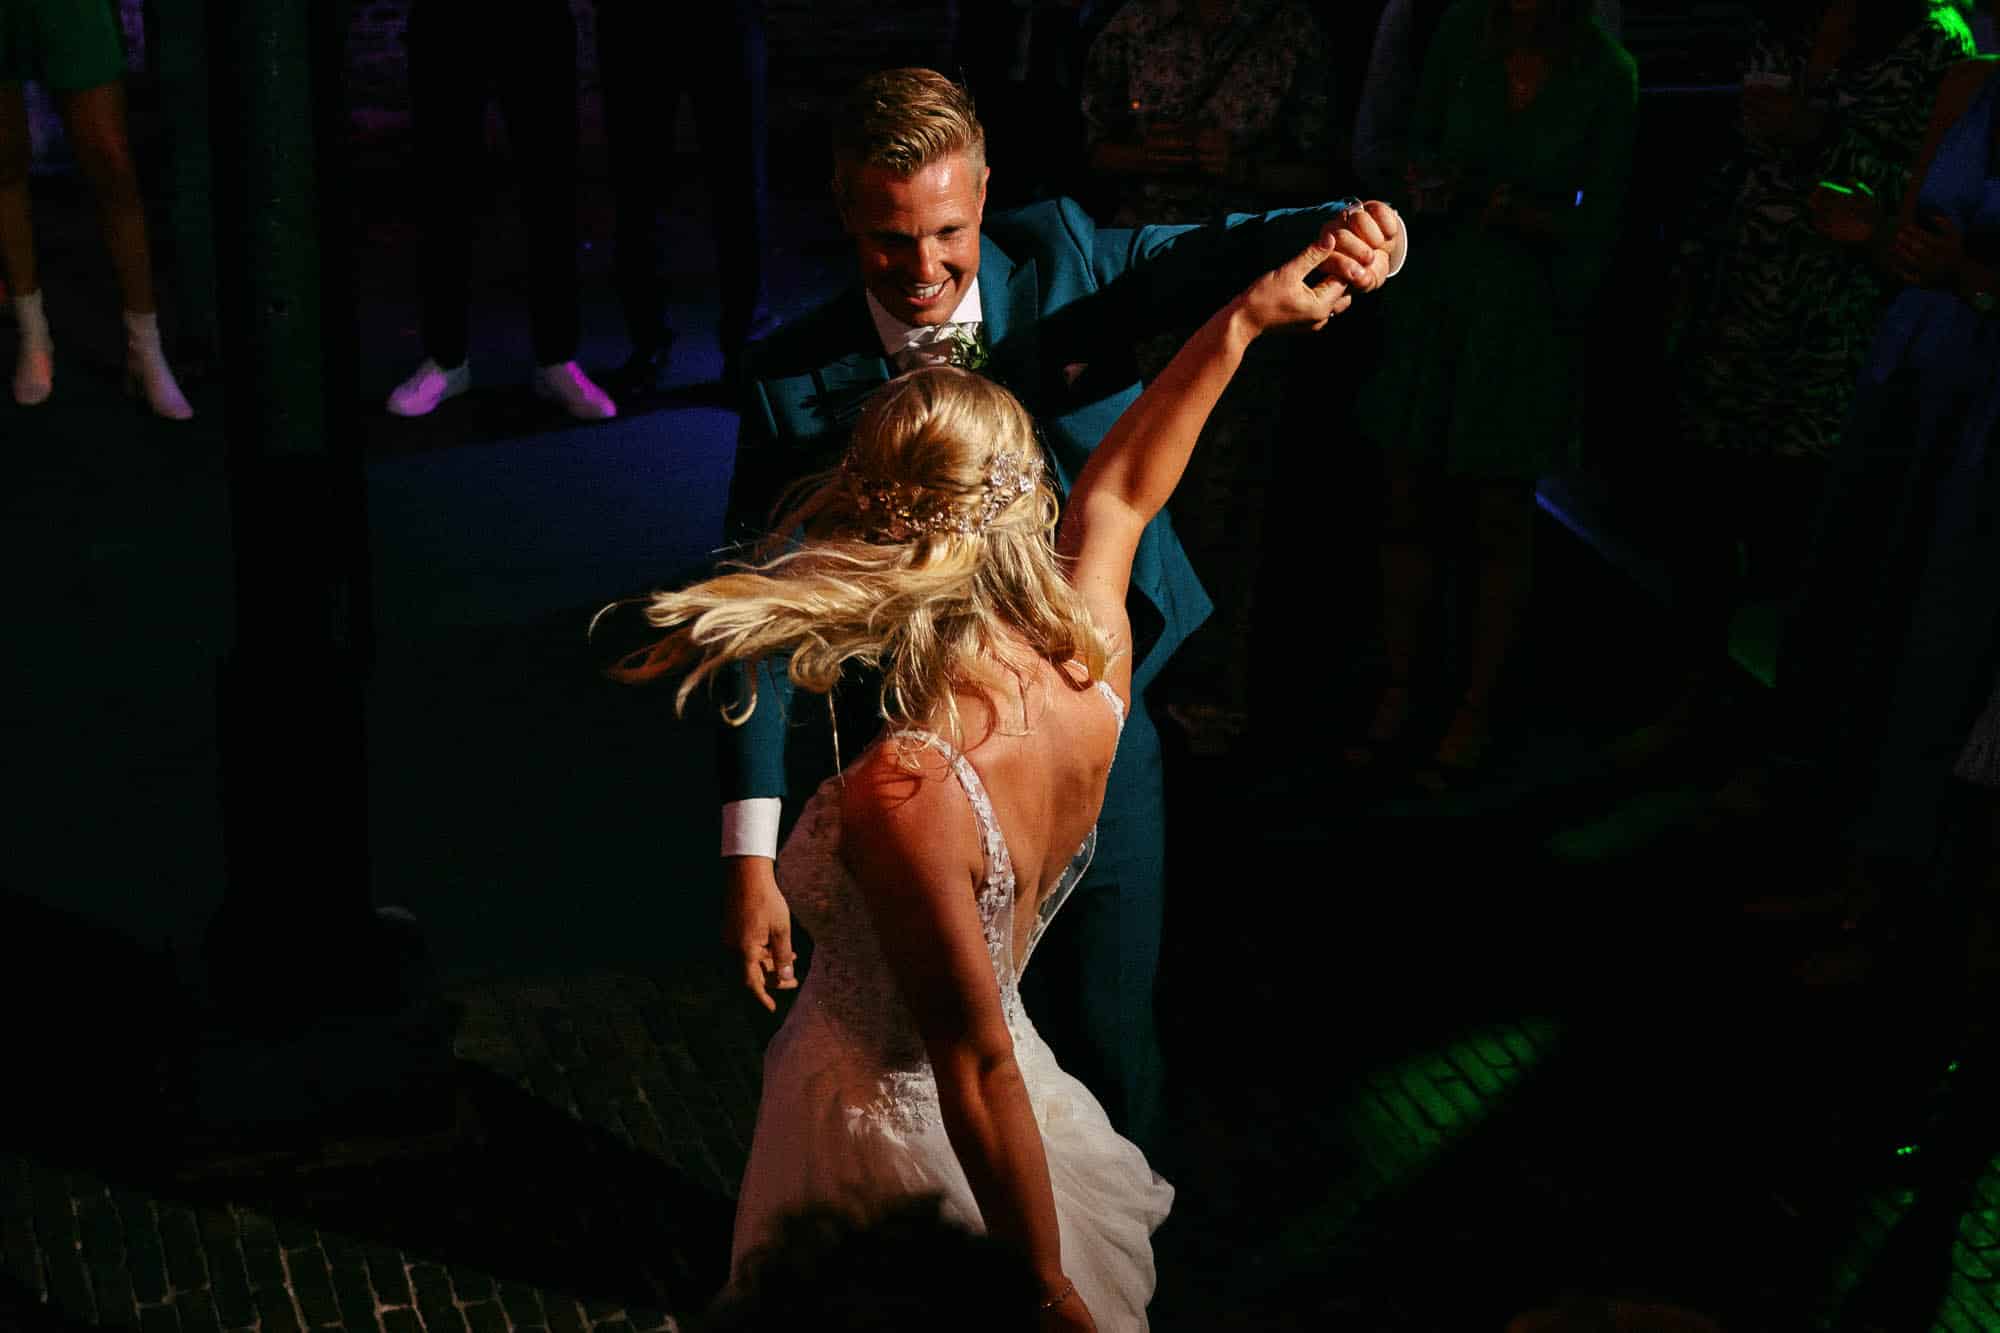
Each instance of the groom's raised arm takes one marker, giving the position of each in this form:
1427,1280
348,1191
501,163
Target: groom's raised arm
1177,276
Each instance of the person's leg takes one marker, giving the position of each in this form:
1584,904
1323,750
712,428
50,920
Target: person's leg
538,94
1698,514
34,360
730,92
95,119
641,94
1409,576
1503,533
449,75
1090,985
17,235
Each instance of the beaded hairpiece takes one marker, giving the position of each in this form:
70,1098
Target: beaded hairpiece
895,511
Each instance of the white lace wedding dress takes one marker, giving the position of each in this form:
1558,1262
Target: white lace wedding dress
849,1112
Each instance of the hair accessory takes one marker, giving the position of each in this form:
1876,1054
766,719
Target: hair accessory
895,511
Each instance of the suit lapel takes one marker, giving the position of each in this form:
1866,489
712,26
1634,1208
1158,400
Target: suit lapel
1010,305
842,383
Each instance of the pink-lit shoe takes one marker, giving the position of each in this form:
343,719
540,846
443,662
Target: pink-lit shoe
35,366
429,385
568,385
34,374
147,374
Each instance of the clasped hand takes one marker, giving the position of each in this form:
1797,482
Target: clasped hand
1927,255
1350,254
1845,214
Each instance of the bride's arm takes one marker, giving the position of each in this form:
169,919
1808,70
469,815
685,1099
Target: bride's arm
916,855
1133,472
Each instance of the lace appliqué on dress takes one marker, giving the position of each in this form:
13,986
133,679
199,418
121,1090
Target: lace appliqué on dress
868,1041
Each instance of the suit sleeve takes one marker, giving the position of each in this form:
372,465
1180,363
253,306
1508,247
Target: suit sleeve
1175,277
750,759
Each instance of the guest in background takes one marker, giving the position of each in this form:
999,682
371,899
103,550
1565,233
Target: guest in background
650,56
1887,658
459,54
1023,62
1389,91
1522,147
1775,318
74,48
1197,109
1203,108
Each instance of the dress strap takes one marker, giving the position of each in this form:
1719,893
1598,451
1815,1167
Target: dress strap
999,864
1117,704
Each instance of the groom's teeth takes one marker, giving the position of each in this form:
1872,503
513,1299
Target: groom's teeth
926,293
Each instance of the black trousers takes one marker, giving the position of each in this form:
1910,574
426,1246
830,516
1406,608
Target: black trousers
461,55
650,55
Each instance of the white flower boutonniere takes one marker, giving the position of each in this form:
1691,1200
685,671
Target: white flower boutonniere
965,346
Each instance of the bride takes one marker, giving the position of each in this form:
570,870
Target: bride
927,871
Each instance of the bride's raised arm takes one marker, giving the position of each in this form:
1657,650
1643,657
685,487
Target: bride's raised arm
1133,472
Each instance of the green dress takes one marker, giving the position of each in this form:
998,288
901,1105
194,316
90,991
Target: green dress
1479,374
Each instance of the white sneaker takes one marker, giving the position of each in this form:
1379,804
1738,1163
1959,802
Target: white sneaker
420,394
568,385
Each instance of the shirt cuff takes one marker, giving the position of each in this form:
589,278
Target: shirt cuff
1406,245
750,828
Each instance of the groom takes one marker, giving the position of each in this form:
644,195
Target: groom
1049,306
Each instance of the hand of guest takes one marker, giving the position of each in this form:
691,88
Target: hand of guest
1845,214
1928,254
757,925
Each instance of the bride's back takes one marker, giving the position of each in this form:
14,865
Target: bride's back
1041,751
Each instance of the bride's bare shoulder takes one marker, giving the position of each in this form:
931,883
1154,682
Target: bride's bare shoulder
903,815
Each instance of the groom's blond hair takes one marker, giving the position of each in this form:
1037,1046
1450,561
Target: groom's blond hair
903,120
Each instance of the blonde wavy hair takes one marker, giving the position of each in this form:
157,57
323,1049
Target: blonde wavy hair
903,120
962,605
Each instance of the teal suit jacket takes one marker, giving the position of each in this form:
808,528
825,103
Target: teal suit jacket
1062,302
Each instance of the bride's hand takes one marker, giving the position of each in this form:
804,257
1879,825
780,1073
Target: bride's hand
1314,286
1068,1315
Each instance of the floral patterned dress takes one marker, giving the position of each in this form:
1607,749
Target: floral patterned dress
1771,365
1260,77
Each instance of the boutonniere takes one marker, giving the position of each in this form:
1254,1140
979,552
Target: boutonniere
966,347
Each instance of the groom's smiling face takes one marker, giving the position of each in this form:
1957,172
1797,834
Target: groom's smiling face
917,236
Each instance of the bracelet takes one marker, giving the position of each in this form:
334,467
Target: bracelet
1069,1290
